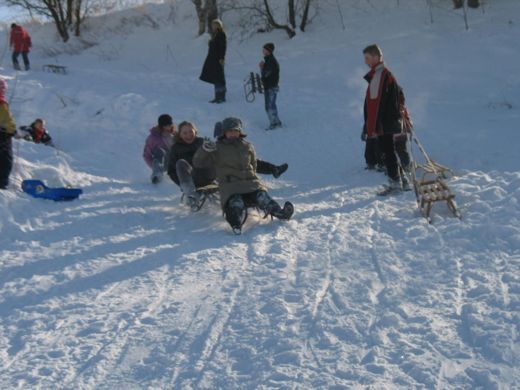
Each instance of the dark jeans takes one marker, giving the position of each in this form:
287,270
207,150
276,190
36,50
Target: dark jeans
270,105
25,56
237,204
387,147
220,88
6,159
401,150
264,167
373,155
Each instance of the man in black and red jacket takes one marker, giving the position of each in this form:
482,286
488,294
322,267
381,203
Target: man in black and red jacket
382,112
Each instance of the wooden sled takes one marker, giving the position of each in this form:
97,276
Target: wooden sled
253,85
209,192
429,181
430,192
58,69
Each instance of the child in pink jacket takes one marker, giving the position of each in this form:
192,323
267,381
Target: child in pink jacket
158,145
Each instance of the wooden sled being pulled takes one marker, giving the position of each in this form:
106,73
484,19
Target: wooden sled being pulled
429,181
253,85
58,69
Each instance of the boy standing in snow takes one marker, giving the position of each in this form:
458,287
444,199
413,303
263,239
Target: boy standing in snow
270,77
20,42
382,113
7,131
158,145
235,162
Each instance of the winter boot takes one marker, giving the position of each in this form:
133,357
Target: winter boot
221,97
279,170
285,213
193,201
237,231
406,184
157,177
393,187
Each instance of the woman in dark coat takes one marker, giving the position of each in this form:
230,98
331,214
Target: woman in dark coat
213,69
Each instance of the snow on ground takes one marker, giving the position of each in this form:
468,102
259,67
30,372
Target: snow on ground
127,289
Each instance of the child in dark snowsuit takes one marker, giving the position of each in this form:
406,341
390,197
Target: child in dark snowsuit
235,162
37,133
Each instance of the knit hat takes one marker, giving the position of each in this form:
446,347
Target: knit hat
232,123
165,120
269,47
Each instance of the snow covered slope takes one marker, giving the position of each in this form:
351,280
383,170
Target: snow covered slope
126,289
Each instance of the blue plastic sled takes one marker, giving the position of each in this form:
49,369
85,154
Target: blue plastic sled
38,189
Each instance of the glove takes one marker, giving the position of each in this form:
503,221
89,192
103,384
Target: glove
209,146
364,135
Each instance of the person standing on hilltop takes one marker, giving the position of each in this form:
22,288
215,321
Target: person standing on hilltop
213,69
270,77
20,42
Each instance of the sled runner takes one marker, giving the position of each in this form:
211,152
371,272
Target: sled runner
55,69
253,85
209,192
37,189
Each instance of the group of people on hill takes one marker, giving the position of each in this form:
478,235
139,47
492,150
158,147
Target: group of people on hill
229,162
213,72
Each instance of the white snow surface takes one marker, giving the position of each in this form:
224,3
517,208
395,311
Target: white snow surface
126,289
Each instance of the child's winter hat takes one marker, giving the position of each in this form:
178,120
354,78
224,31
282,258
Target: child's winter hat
269,47
165,120
232,123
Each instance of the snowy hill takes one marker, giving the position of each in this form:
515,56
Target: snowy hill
126,289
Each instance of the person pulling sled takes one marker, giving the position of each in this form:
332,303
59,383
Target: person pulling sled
383,115
235,162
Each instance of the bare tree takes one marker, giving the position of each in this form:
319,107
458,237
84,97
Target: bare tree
67,15
207,11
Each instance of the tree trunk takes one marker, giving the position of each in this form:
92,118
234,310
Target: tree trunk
292,14
274,24
458,4
305,16
211,12
201,16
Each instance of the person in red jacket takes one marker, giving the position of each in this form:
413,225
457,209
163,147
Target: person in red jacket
20,42
383,117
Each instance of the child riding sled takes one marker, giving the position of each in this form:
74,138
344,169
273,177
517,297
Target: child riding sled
235,162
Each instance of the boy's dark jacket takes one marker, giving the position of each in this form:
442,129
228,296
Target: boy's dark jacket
270,72
383,114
